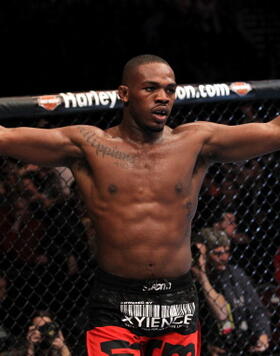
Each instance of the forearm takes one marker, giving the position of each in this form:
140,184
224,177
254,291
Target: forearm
30,350
60,346
215,300
65,351
241,142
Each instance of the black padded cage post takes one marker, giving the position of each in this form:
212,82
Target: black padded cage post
47,250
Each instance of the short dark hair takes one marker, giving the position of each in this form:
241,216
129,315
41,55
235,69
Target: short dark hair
139,60
42,314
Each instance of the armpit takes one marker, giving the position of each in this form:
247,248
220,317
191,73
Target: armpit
80,164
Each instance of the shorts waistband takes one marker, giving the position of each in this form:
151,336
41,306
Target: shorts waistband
148,285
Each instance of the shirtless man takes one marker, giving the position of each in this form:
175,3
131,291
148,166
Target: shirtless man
140,181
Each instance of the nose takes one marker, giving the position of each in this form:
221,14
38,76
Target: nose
162,96
224,257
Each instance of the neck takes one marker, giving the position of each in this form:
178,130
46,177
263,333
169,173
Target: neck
137,134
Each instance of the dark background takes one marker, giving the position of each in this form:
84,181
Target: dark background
50,46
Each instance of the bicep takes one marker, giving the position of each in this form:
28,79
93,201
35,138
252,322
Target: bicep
241,142
39,146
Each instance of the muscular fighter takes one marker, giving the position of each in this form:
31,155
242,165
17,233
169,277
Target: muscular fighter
140,181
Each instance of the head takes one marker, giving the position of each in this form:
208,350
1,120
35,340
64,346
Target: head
41,317
46,328
227,218
148,92
218,257
227,223
217,245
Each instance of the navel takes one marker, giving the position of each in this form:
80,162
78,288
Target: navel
112,189
179,188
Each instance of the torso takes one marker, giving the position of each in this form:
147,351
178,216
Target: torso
142,200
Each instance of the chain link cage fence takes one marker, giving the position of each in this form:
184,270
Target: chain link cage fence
47,243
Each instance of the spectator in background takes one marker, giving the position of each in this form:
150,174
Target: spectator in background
276,263
63,252
243,326
271,299
44,337
227,223
239,241
22,234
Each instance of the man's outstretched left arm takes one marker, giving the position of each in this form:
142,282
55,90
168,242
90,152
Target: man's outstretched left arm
236,143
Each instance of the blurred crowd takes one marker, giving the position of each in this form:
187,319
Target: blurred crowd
47,246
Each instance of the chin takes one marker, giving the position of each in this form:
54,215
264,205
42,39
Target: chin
156,129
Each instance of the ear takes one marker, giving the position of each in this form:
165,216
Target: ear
123,93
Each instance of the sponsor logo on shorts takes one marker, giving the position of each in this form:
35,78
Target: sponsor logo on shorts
156,317
49,102
158,323
240,88
158,286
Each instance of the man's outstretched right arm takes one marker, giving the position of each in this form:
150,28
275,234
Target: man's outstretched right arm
46,147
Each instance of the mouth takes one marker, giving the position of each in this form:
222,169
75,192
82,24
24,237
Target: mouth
160,115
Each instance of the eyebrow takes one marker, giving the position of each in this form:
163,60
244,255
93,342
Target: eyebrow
150,82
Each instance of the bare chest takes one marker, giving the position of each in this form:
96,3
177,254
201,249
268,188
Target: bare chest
143,174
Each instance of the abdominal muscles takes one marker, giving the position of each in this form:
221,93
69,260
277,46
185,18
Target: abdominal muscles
144,240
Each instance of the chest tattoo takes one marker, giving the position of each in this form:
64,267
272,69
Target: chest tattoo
105,150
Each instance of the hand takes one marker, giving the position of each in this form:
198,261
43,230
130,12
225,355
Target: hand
33,335
60,345
215,350
58,342
261,345
200,268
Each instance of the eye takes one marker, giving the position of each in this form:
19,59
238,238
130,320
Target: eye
170,90
149,89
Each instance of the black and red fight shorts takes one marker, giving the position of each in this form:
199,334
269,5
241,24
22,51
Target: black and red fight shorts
143,317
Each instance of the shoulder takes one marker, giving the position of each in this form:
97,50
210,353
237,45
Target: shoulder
204,128
80,129
82,134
